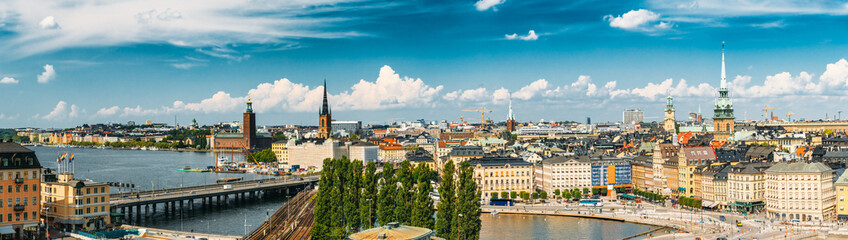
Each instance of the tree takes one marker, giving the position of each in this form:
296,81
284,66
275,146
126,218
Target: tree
337,214
566,194
265,156
353,196
353,136
585,191
596,191
504,194
543,195
466,222
279,136
494,195
534,195
524,195
513,195
323,203
447,196
386,201
403,198
557,192
368,200
576,194
422,211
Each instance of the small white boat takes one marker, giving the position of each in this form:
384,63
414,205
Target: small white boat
494,212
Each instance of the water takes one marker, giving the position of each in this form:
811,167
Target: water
514,227
149,169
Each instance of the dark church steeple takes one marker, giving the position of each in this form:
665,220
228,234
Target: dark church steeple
325,125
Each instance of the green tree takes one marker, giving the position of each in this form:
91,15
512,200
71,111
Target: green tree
352,196
466,222
576,194
403,198
504,194
524,195
513,195
353,136
494,195
534,195
279,136
585,191
422,211
566,194
543,195
368,201
337,213
447,198
596,191
557,192
386,201
323,202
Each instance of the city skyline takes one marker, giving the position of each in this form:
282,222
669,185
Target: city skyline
400,61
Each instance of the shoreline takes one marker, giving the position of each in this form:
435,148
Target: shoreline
596,217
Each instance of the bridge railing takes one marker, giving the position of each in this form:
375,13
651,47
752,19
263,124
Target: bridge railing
172,191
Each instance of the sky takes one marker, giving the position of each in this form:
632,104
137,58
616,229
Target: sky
68,62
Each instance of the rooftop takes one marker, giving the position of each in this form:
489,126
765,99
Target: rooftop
394,231
799,167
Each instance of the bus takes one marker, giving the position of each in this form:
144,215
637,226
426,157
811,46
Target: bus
592,202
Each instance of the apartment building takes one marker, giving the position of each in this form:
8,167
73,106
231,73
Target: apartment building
688,159
19,196
746,186
663,153
76,204
802,191
502,174
563,172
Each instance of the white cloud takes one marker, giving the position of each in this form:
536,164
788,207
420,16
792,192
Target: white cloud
187,65
652,91
470,95
500,96
775,24
108,111
9,80
47,75
836,74
750,8
388,91
63,112
638,20
483,5
49,23
531,36
86,23
777,85
531,90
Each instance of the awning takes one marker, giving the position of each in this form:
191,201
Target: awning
842,216
708,204
628,196
681,189
30,226
7,230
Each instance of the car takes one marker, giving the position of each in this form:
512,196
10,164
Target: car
568,209
738,224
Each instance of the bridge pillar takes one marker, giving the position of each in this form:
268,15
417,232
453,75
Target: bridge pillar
218,200
147,210
154,208
226,199
181,207
137,214
191,204
203,202
166,208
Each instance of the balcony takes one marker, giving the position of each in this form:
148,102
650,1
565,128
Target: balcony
19,180
19,207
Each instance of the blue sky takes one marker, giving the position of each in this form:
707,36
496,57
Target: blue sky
83,61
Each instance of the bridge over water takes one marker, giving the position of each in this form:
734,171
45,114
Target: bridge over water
130,204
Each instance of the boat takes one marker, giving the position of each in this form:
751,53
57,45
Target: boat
494,212
226,180
189,169
229,170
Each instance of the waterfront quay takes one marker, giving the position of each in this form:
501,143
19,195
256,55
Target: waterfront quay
676,223
130,204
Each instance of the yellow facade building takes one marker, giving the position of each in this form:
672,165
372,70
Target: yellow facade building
20,176
76,204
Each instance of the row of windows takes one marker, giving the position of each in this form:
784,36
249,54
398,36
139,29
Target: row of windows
13,175
11,202
89,210
18,217
20,188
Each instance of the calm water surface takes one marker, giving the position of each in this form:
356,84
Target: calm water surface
514,227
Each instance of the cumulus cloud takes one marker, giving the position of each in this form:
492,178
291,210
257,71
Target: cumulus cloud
531,90
777,85
531,36
638,20
49,23
9,80
652,90
110,111
836,74
473,95
62,112
47,75
388,91
483,5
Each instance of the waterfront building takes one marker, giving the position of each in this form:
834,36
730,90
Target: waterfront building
563,172
643,172
632,116
365,151
502,174
280,151
669,121
312,152
711,184
723,119
746,186
663,153
671,178
247,139
802,191
325,116
688,159
19,196
614,172
76,204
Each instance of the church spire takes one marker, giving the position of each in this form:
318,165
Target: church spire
723,76
511,116
325,108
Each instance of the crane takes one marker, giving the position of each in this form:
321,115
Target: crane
766,111
246,149
482,112
789,115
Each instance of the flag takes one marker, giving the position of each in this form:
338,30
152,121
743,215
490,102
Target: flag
64,156
71,159
59,159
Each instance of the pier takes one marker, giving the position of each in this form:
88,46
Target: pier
146,203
